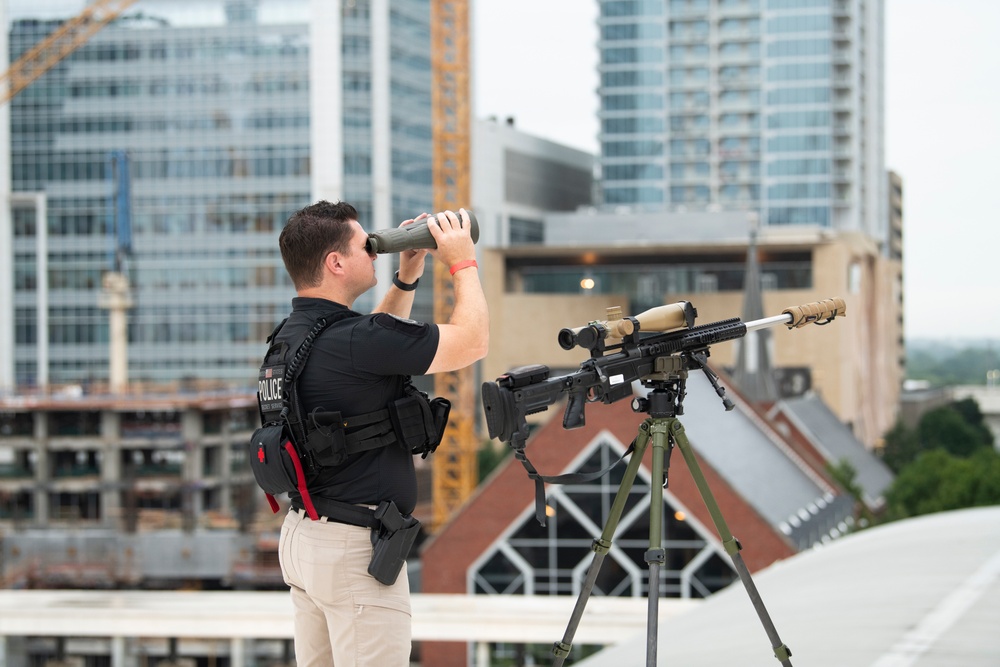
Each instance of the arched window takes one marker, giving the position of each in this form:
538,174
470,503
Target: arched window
528,559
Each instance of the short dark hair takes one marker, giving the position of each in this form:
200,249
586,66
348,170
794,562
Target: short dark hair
310,235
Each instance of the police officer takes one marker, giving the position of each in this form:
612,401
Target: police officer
360,364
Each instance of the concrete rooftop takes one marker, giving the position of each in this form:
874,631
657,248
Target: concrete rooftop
918,593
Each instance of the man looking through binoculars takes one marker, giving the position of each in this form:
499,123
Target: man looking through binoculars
354,390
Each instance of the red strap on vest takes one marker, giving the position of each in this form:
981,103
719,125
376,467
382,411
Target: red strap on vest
300,477
272,502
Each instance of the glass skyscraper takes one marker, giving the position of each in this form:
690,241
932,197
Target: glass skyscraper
232,113
774,106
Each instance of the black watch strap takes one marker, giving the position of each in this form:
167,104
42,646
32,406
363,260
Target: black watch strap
406,287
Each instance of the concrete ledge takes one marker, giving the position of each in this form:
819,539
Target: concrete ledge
496,618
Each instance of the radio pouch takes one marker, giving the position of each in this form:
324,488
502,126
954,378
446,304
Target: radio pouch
391,542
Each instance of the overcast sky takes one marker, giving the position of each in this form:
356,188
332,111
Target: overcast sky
536,59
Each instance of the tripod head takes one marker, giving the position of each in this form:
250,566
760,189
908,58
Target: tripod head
668,386
621,355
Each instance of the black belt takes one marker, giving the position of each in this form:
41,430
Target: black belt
334,510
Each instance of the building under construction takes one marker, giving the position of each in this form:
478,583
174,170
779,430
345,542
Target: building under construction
151,491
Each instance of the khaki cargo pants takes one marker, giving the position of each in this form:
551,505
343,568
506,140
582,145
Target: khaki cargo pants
343,616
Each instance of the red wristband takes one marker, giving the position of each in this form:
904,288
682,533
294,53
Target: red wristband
455,268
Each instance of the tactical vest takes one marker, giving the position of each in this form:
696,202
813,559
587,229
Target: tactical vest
289,442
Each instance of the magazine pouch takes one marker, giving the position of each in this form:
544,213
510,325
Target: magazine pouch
412,421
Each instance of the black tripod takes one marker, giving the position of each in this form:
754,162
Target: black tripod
663,404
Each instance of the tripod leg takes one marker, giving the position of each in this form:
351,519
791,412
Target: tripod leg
731,544
656,555
602,545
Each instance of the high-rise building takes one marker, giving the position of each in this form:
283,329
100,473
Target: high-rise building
518,178
232,114
774,106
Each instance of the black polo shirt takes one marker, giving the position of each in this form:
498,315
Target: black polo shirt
358,365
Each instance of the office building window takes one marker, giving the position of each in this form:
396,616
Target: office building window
628,31
632,8
797,4
799,23
790,119
799,215
739,49
814,95
798,71
684,75
689,29
689,100
688,5
633,195
632,78
632,54
633,172
794,143
690,147
631,102
524,230
741,26
804,166
689,194
689,51
798,48
798,191
633,125
632,148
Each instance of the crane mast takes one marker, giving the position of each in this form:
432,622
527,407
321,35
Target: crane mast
454,462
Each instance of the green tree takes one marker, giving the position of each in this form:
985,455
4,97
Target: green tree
947,429
957,428
970,411
901,447
938,481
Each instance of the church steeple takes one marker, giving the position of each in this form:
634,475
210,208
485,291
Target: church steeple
754,372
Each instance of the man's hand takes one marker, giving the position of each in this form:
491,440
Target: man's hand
453,236
411,262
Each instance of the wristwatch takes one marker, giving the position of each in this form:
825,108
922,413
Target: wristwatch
406,287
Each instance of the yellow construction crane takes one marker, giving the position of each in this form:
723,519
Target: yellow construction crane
454,468
66,39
